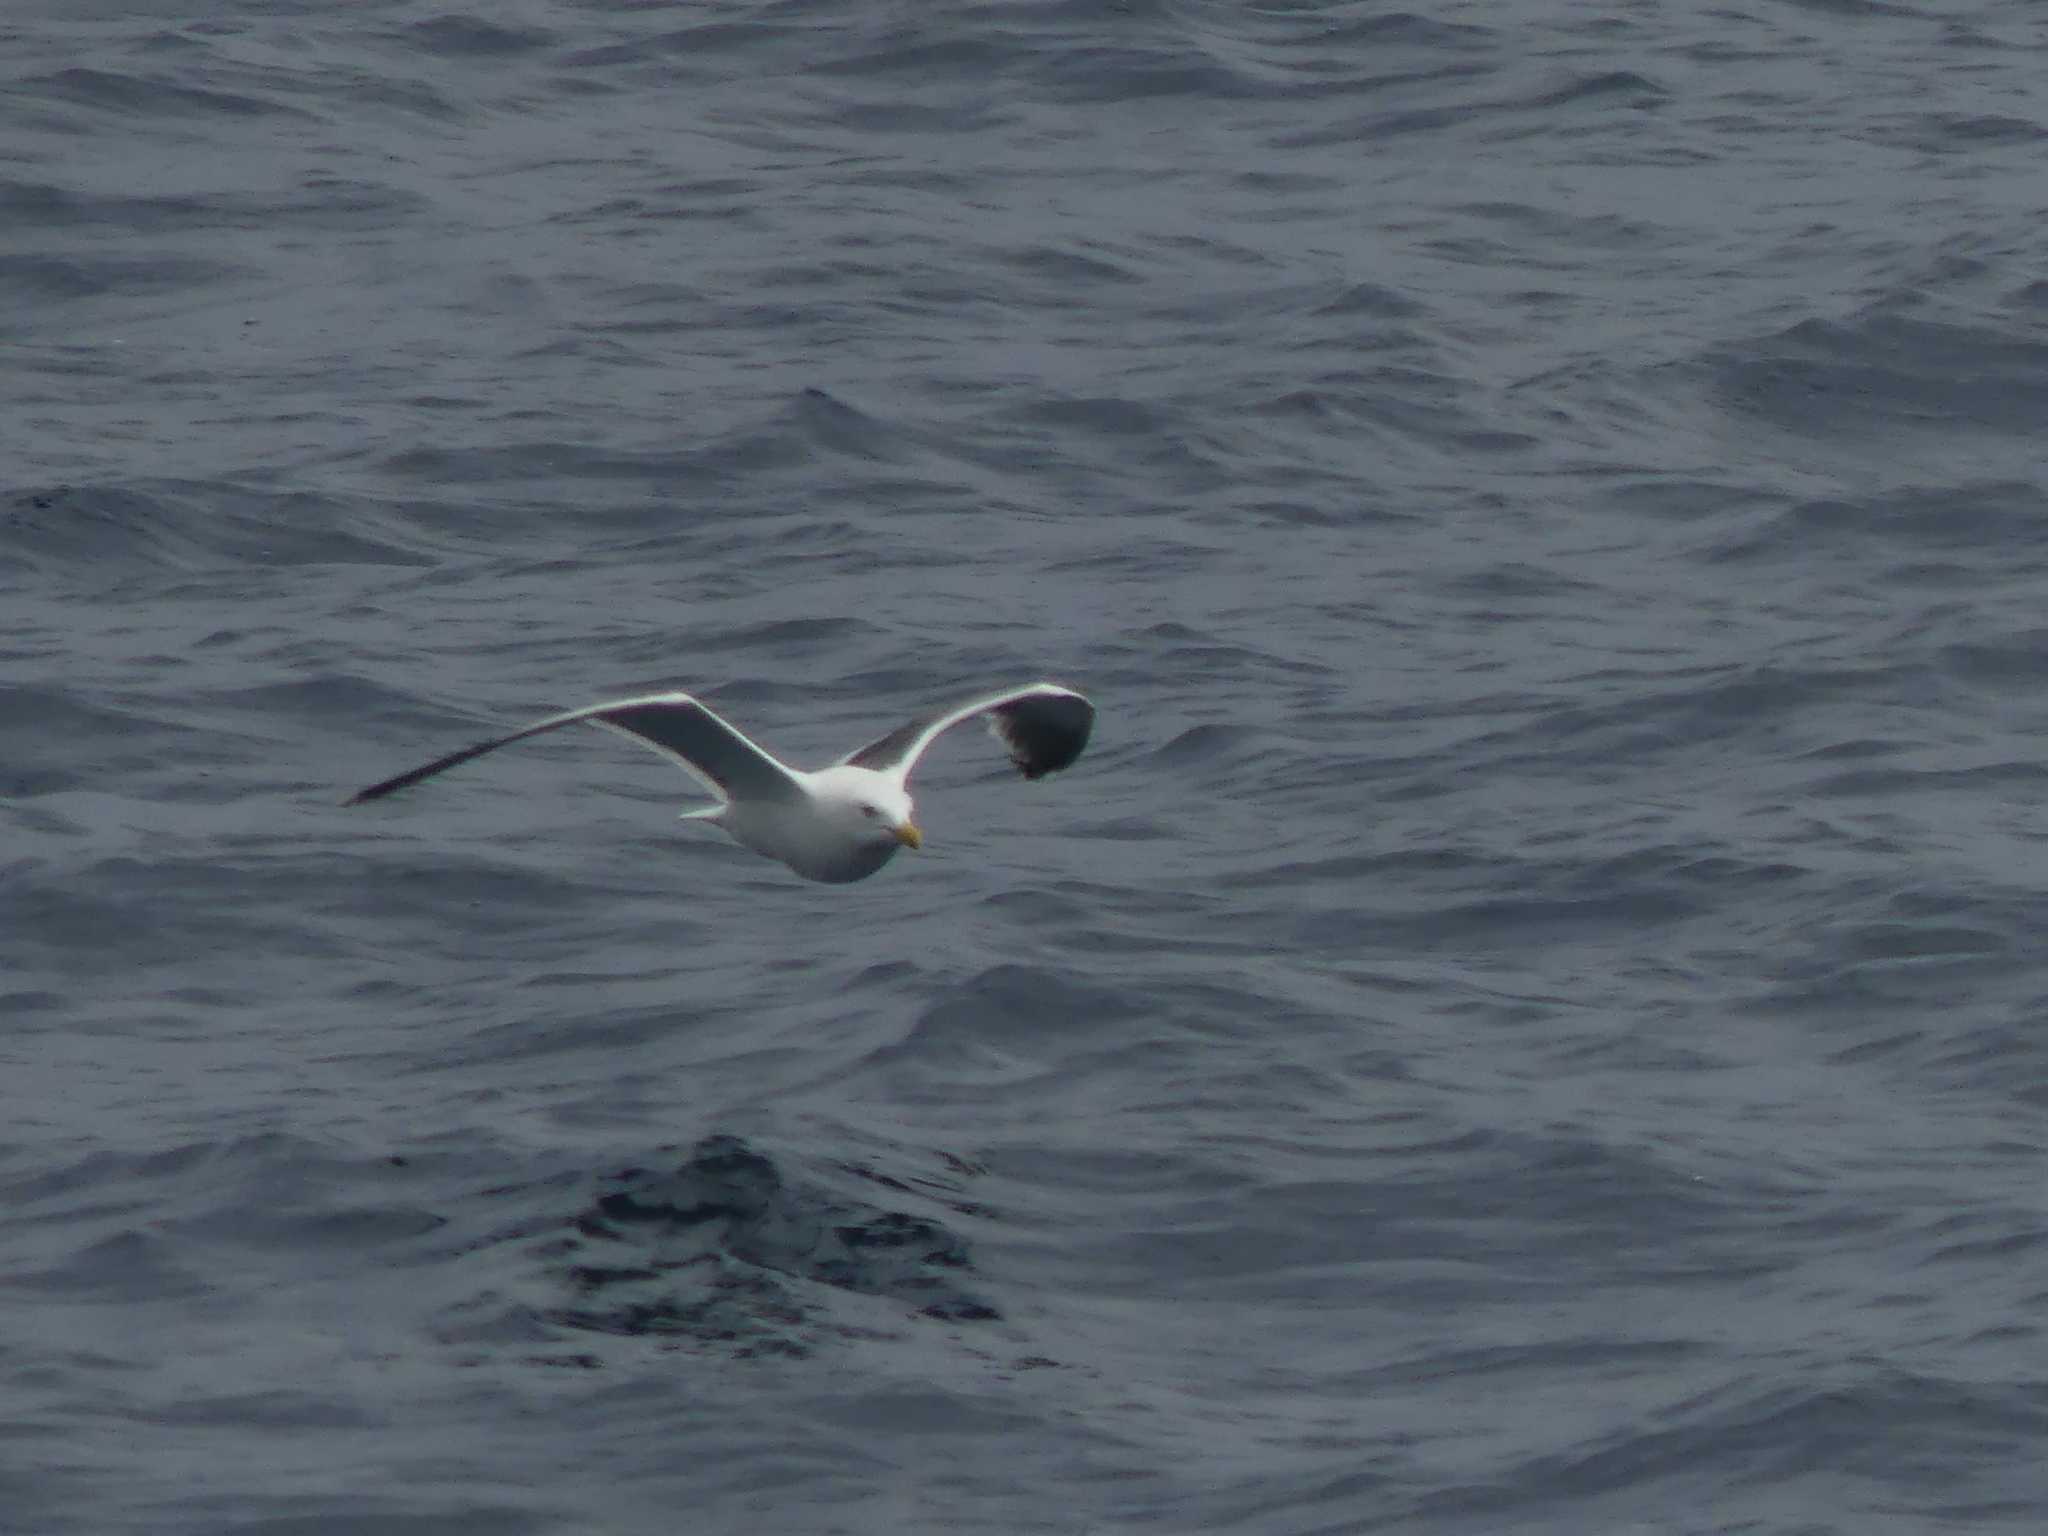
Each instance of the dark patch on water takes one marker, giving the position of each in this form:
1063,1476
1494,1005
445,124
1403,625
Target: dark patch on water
724,1250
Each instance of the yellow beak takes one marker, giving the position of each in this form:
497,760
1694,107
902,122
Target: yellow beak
909,836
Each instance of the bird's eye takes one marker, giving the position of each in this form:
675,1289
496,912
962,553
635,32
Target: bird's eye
870,812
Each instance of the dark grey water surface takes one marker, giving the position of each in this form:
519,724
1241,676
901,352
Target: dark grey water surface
1528,1019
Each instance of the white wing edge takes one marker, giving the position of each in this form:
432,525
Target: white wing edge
590,713
906,763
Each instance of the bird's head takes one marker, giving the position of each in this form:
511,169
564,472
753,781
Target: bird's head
872,806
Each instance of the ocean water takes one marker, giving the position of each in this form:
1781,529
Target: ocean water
1529,1018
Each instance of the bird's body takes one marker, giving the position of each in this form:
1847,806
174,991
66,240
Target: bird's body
835,824
827,835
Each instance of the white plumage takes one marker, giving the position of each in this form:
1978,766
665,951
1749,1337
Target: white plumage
834,824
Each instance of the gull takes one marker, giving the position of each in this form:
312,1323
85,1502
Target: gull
835,824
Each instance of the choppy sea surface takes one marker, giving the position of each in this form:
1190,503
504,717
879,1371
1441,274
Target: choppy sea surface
1529,1017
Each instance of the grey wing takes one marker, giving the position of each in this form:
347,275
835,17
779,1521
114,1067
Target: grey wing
1044,727
674,724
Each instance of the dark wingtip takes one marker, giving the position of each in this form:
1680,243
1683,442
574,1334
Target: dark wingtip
384,787
1065,724
1039,768
413,776
1047,765
389,786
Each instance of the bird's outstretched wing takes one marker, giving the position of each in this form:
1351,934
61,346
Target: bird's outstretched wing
1043,726
674,724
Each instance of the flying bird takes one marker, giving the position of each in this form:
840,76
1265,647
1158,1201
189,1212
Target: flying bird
834,824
